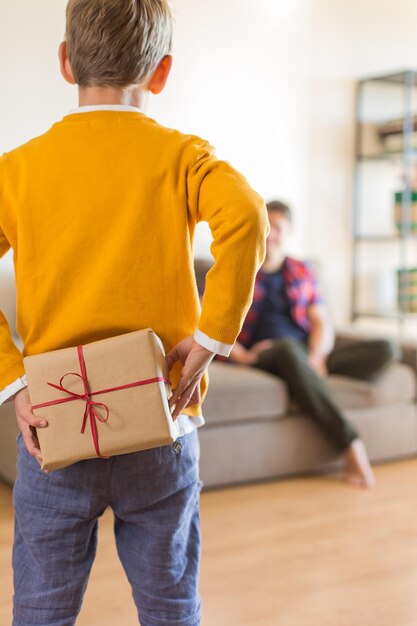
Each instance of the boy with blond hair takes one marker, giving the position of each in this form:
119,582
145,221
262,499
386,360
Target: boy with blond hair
100,212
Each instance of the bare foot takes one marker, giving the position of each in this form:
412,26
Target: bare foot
358,470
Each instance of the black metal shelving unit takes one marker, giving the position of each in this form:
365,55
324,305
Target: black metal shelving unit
382,103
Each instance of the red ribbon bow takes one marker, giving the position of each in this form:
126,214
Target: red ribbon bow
90,404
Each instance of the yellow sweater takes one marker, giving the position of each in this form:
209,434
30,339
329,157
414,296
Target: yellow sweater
100,211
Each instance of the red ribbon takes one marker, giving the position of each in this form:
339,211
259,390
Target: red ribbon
90,404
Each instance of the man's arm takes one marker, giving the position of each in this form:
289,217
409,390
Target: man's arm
321,337
238,220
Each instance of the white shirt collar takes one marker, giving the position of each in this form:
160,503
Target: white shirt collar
104,107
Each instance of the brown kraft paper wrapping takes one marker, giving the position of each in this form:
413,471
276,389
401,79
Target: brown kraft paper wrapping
139,417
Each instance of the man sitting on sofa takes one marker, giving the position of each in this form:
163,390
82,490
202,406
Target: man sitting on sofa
287,333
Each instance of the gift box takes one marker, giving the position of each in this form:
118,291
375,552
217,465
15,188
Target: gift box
102,398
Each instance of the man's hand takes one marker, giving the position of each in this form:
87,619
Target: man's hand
264,344
239,354
318,363
26,420
195,359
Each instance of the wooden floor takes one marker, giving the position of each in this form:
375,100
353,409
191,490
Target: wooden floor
300,552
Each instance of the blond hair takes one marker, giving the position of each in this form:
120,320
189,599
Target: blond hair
117,42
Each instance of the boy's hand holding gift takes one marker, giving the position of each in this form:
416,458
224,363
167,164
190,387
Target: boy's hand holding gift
195,359
28,422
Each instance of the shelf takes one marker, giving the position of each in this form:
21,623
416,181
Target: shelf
387,156
385,238
384,219
396,315
399,77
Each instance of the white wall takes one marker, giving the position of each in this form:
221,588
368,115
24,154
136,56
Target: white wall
239,79
268,82
350,39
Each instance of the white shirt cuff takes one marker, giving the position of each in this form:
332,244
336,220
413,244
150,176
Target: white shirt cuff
7,393
212,344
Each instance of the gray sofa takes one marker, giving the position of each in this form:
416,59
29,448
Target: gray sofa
254,432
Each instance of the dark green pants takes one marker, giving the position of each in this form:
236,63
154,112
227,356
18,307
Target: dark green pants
287,358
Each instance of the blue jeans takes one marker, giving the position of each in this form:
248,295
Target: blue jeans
154,495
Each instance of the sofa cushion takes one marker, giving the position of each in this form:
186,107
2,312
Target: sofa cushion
240,392
394,385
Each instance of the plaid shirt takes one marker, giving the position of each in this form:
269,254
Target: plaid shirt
302,290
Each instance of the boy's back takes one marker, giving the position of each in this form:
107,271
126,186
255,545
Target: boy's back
100,211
